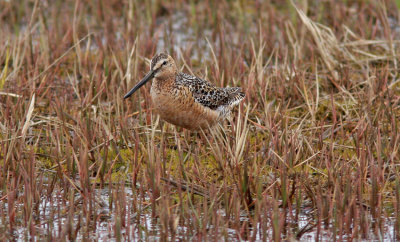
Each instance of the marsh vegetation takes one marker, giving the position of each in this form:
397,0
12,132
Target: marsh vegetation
311,153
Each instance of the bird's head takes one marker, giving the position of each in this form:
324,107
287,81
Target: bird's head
162,67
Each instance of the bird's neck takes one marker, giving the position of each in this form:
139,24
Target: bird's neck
163,83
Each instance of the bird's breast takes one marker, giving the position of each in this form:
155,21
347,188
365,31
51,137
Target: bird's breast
177,106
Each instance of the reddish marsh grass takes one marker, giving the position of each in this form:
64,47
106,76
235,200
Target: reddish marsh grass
312,153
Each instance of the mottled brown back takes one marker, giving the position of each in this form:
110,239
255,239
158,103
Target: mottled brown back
209,95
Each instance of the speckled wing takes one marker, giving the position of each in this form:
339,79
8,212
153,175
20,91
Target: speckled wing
209,95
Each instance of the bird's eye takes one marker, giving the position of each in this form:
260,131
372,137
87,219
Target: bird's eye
164,63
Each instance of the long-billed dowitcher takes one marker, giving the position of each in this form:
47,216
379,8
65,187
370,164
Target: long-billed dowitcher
186,100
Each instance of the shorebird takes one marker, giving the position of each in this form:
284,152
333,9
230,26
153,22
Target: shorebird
185,100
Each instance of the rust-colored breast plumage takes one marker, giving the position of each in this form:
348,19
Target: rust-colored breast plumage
176,105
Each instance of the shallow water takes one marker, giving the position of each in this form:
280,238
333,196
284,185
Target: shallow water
53,217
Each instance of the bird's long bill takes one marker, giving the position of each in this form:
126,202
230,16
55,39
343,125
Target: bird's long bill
145,79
